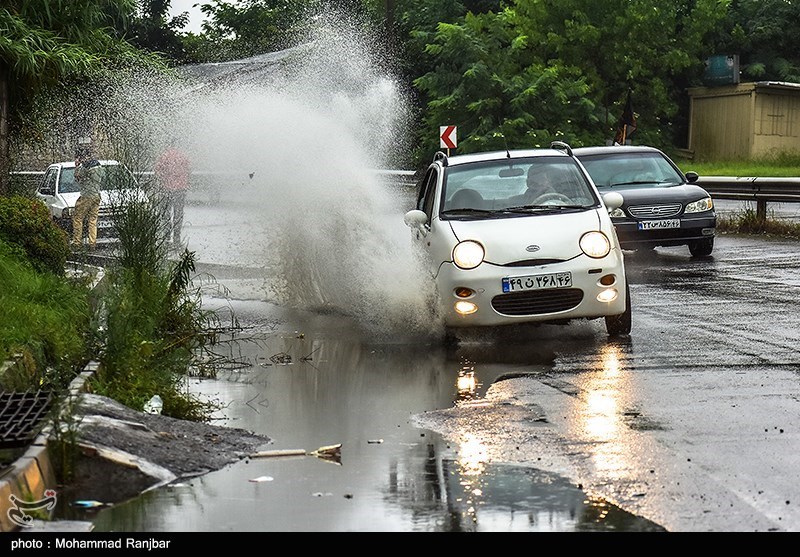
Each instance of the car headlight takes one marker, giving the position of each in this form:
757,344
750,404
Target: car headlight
595,244
617,213
699,206
468,254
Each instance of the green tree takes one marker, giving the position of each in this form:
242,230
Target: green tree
766,36
43,42
155,31
236,30
542,69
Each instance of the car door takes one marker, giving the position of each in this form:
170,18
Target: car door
47,191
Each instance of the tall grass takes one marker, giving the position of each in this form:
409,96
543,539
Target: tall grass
778,165
156,331
47,319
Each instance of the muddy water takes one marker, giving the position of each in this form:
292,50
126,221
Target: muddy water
310,381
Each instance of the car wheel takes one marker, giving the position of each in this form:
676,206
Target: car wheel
702,248
619,325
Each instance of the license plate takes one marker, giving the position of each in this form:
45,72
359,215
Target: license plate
104,224
658,224
537,282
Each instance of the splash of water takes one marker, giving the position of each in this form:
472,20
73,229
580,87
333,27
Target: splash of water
332,230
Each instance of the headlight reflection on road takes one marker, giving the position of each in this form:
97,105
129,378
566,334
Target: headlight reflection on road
466,383
602,424
471,465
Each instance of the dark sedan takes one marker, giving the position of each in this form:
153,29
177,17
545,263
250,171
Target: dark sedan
662,206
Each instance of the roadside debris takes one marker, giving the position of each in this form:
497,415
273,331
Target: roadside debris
330,453
154,405
279,452
281,358
374,441
262,479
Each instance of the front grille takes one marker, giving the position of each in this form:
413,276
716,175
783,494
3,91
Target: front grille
655,211
532,262
21,414
537,302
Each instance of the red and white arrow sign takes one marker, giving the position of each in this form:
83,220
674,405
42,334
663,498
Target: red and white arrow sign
447,135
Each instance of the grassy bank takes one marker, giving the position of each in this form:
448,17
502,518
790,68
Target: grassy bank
781,165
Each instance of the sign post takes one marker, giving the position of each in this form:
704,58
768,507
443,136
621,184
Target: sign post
448,138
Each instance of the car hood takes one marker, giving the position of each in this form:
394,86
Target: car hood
107,197
639,195
538,237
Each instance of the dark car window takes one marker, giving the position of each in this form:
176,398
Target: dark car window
500,184
117,177
49,183
631,169
67,183
429,192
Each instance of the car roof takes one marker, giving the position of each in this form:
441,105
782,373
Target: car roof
71,164
503,155
604,149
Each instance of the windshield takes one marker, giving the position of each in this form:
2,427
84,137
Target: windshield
631,169
518,186
116,177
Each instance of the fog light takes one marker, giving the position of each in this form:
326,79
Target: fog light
465,308
707,231
607,295
608,280
463,292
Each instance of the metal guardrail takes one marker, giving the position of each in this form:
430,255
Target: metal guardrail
759,190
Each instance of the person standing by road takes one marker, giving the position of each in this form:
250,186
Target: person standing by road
172,172
89,175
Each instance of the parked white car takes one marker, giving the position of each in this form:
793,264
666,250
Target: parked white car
503,251
59,191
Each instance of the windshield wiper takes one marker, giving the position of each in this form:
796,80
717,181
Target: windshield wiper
640,182
530,208
467,211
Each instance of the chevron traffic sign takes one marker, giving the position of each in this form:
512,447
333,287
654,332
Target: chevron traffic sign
447,136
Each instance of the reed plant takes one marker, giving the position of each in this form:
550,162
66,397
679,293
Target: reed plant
156,331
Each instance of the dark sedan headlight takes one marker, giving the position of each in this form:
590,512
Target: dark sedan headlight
699,206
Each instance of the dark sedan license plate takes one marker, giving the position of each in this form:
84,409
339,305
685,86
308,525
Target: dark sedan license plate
659,224
537,282
104,224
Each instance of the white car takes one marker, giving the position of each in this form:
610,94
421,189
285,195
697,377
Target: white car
59,191
502,252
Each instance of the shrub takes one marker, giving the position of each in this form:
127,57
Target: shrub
26,225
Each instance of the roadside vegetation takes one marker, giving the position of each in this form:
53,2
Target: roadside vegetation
144,322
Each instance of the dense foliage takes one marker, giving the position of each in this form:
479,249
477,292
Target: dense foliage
28,230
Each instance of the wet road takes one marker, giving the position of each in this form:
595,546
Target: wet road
690,425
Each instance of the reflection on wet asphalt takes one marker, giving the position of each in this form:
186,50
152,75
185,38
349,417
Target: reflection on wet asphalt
529,429
309,381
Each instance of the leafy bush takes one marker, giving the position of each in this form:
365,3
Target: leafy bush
26,225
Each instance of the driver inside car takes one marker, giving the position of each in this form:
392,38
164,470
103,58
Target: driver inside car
541,181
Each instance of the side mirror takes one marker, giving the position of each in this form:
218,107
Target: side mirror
692,176
415,219
613,200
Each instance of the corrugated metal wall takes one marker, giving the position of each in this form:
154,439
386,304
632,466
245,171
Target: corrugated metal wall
744,120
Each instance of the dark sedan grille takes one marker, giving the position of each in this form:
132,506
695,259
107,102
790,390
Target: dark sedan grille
655,211
537,302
